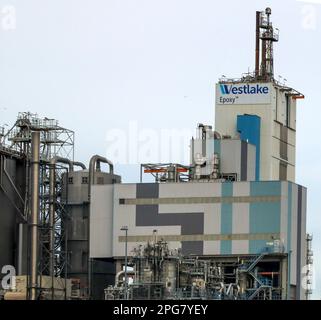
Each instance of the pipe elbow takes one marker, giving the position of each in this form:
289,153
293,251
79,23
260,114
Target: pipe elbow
79,164
96,160
56,159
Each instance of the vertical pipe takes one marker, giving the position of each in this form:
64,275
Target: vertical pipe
52,183
35,151
20,248
257,44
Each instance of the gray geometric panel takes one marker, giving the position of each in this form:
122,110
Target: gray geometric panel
192,247
148,215
244,148
147,190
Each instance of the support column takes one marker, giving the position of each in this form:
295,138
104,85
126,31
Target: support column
34,219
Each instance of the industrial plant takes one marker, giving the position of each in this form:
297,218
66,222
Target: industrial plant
230,224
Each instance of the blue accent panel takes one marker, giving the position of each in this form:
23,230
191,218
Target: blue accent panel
265,217
217,146
226,209
226,247
227,189
266,188
249,127
257,246
226,218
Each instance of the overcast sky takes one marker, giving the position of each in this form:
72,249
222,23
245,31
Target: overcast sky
138,73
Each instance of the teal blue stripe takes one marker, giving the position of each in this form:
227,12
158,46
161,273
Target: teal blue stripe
227,189
226,217
290,185
217,146
257,246
226,247
264,216
265,188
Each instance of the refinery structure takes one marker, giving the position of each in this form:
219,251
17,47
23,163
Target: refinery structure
231,224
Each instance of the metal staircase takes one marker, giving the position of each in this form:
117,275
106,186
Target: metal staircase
247,267
263,284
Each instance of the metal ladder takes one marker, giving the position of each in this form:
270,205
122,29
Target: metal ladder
263,283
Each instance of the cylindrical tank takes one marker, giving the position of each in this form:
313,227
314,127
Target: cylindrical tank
170,276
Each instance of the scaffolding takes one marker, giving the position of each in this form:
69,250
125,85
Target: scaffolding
55,141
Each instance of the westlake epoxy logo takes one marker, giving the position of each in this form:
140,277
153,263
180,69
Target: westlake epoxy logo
230,94
244,89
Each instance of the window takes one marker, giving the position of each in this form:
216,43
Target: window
287,111
70,180
84,180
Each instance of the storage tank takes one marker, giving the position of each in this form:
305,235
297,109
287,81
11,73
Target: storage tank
170,276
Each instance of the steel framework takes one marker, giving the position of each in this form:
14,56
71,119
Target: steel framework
55,141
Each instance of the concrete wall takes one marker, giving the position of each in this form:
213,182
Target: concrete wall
102,213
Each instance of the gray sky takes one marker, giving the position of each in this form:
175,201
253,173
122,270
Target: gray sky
148,67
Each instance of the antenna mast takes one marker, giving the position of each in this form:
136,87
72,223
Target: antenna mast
267,34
